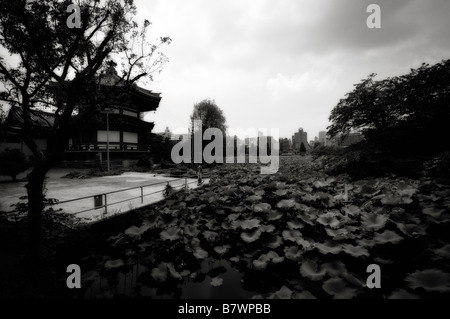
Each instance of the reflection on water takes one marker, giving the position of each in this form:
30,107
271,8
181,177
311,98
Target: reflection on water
231,287
114,283
135,281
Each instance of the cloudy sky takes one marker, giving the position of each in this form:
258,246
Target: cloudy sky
284,63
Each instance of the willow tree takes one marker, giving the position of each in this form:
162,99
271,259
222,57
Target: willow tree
56,54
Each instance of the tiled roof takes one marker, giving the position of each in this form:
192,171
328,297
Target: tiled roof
38,118
111,77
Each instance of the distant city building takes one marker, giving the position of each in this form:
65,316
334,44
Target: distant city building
268,140
166,133
299,138
251,141
324,140
285,145
179,137
322,137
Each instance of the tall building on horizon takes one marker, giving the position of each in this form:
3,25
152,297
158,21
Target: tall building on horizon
299,138
322,136
285,145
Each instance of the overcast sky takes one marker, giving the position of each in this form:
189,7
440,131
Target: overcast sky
284,63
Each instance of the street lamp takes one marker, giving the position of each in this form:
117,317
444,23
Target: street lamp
107,110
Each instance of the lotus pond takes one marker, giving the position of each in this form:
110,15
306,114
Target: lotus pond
295,234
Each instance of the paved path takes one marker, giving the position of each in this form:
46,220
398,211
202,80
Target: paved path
65,189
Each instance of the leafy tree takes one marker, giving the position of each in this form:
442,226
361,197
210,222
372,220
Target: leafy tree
285,145
168,190
404,114
13,162
211,116
161,148
61,68
302,148
144,162
316,144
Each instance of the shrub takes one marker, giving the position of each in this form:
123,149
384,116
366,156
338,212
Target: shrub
439,166
161,148
13,162
168,190
362,160
323,150
144,162
302,148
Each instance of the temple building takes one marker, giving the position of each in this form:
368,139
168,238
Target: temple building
120,126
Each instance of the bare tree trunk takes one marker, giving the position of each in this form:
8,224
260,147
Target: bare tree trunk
35,186
35,191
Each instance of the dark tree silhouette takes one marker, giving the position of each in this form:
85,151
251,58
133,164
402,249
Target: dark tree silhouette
60,68
13,162
302,148
211,116
401,114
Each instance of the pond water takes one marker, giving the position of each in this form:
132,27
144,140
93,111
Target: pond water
135,281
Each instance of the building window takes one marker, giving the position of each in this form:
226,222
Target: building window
114,136
129,137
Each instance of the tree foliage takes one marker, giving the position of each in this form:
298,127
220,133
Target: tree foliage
161,148
54,66
410,111
302,148
13,162
210,114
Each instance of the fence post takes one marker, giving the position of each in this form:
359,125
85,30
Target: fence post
142,195
106,204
